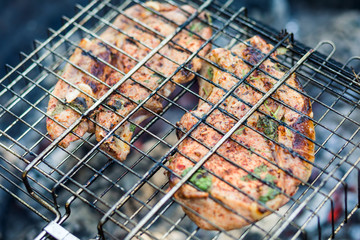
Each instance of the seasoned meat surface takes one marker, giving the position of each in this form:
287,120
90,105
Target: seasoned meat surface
78,91
255,171
126,43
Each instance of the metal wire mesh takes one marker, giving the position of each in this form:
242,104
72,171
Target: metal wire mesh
131,198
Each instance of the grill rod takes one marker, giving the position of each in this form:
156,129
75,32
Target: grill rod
219,143
96,104
36,160
103,220
331,153
152,170
102,99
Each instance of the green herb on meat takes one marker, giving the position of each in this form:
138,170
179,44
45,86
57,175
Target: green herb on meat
155,75
132,127
196,27
266,106
239,131
161,78
251,150
243,72
281,51
245,178
58,109
269,178
186,171
79,103
279,67
205,92
288,132
268,126
253,78
210,72
257,172
170,159
201,178
260,169
270,195
209,18
274,114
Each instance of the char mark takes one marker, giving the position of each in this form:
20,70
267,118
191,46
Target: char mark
235,55
189,65
179,49
80,104
306,107
298,84
88,54
115,104
185,73
179,130
302,126
127,103
300,143
97,69
101,44
131,41
92,85
253,55
143,29
301,120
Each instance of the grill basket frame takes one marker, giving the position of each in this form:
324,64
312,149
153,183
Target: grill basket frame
50,182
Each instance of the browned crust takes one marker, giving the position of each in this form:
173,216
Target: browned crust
305,126
200,206
87,61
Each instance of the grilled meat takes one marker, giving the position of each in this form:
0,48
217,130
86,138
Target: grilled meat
249,181
144,75
78,91
129,48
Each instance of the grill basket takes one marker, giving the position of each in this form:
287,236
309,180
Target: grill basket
83,192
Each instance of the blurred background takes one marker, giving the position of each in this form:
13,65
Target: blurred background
311,21
22,21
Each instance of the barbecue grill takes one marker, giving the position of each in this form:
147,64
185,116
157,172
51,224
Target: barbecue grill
109,199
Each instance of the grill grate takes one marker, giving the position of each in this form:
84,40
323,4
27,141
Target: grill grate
130,199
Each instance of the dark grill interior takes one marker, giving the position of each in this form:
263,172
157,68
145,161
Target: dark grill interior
120,200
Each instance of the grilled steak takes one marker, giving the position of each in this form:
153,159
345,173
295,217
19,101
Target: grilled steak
242,181
137,43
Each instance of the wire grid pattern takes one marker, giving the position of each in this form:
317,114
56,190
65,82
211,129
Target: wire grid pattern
131,196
